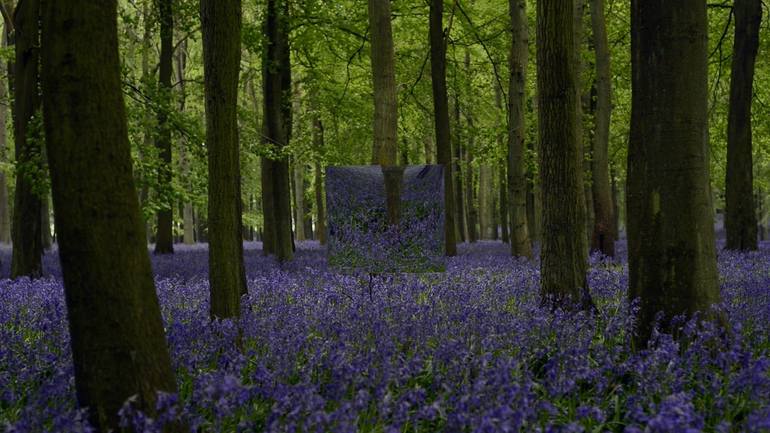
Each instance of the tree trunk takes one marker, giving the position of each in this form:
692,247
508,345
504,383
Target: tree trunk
116,332
318,144
441,119
671,251
486,203
385,148
563,258
221,26
384,79
164,240
299,199
740,215
27,221
503,201
278,123
616,218
45,223
5,207
583,150
521,245
461,228
603,238
188,225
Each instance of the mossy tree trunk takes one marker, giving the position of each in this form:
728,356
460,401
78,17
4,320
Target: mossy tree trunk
27,213
221,25
276,75
603,237
740,213
521,244
118,345
5,206
671,251
563,258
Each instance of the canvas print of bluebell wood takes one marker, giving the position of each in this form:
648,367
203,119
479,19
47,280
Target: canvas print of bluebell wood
368,232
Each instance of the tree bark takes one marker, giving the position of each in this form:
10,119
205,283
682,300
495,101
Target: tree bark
5,207
486,203
116,331
521,244
563,258
461,228
277,131
221,26
318,145
740,214
603,238
385,147
164,240
27,221
671,251
441,119
299,200
503,201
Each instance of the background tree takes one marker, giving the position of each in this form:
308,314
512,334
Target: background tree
27,126
441,119
276,75
164,235
603,237
221,24
116,332
5,102
740,213
671,251
517,85
563,257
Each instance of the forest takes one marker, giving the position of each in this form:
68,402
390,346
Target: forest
385,216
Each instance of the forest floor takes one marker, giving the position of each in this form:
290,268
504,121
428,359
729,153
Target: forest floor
468,350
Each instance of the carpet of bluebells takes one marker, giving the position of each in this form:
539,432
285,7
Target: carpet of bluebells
360,237
468,350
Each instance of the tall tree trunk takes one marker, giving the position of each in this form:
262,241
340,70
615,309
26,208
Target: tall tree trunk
486,203
385,148
318,145
563,258
45,223
5,102
469,178
521,244
188,224
503,202
461,228
502,178
603,238
299,199
27,221
740,215
441,119
147,129
276,75
583,150
671,251
164,240
116,331
615,206
221,25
